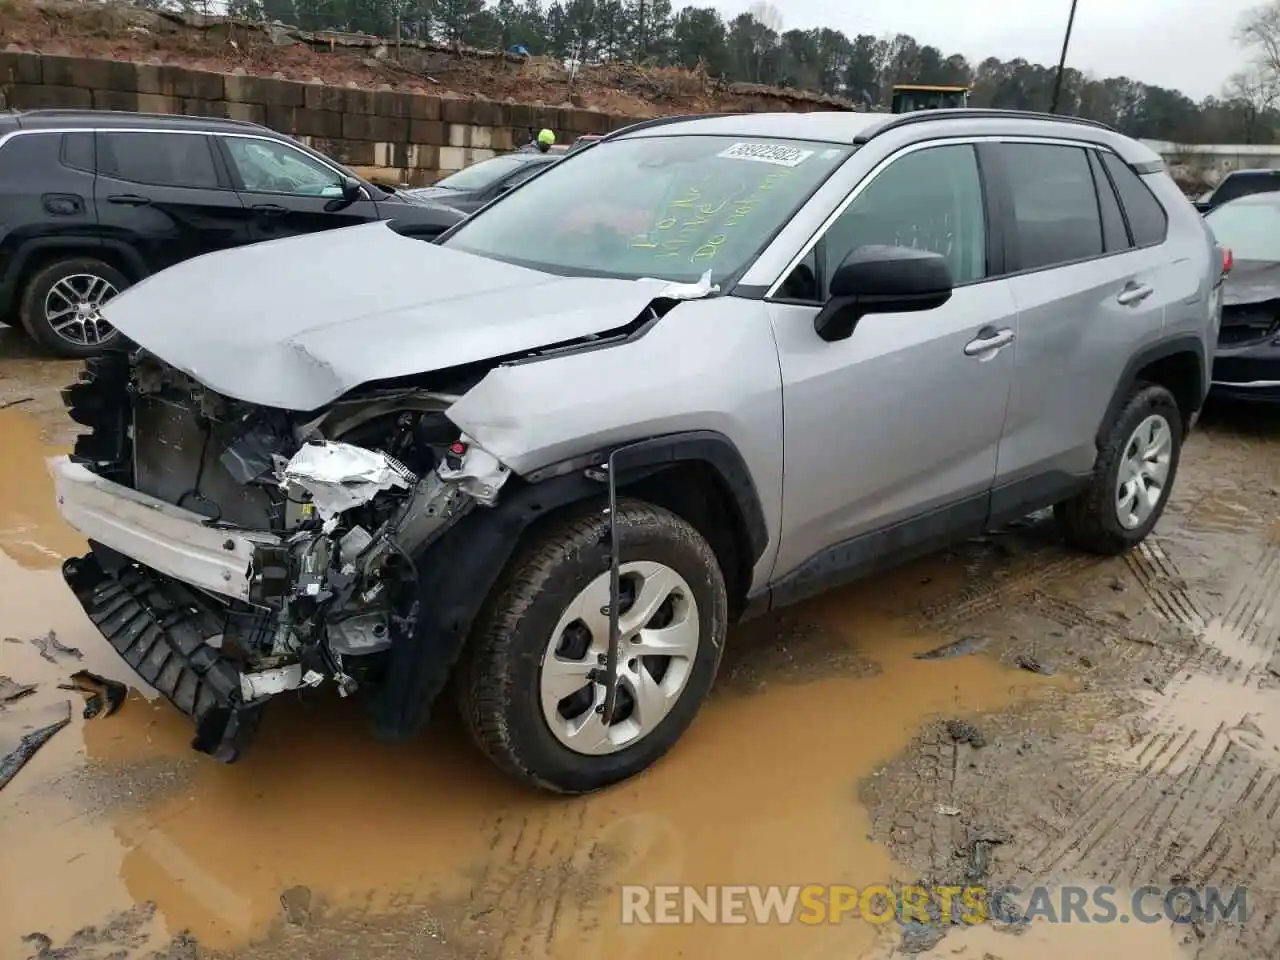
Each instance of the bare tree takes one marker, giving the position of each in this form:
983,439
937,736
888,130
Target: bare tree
767,14
1256,89
1259,30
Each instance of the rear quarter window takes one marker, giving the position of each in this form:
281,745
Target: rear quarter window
26,156
1147,220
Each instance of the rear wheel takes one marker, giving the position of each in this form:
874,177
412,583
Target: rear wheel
61,305
531,683
1132,477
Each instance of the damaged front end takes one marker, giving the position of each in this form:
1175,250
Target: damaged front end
239,551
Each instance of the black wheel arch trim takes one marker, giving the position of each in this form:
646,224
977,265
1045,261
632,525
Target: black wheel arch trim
76,245
636,459
1186,343
480,546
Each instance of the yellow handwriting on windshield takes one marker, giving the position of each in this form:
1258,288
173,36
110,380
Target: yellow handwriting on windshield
694,224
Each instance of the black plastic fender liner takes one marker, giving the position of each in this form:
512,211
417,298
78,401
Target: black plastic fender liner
458,572
159,627
455,577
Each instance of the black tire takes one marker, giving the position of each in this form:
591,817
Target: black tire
31,308
498,677
1088,520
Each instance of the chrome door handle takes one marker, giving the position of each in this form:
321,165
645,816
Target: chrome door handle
1134,294
981,346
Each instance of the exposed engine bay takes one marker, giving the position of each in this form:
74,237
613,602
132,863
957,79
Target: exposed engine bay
338,506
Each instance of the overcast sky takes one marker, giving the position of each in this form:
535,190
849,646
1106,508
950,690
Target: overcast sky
1183,44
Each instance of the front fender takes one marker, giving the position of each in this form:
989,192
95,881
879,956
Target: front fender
706,368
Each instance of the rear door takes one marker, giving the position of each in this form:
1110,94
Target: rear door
288,191
164,193
1088,297
46,192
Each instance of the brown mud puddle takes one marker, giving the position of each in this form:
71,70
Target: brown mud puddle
762,790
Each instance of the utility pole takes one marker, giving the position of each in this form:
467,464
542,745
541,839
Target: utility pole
1062,60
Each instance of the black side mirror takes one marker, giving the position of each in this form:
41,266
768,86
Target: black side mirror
351,189
882,279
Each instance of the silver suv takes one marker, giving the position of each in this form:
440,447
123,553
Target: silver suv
701,369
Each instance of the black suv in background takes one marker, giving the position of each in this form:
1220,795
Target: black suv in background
92,201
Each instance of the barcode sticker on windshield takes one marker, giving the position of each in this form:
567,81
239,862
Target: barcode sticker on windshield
774,153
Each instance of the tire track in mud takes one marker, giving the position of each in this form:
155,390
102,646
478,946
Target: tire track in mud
1164,585
1035,570
530,885
1197,799
544,890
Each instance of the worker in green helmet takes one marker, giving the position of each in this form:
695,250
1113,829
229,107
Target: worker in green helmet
542,143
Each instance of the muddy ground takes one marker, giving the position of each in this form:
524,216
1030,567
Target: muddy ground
1096,722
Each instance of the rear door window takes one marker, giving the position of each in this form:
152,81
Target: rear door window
1147,220
1055,207
77,151
159,159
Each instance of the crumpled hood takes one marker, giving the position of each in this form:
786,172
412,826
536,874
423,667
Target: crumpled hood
1252,281
296,323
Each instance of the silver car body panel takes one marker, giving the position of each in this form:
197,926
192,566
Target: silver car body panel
708,365
295,323
174,541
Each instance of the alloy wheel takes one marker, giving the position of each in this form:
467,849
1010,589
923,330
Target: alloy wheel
659,637
1144,471
73,309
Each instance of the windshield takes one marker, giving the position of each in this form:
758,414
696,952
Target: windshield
1251,230
667,207
480,175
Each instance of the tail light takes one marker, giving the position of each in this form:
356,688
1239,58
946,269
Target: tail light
1227,260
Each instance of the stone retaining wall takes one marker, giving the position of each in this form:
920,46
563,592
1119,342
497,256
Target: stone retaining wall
397,136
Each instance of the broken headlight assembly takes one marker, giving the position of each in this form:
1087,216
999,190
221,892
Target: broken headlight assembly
342,581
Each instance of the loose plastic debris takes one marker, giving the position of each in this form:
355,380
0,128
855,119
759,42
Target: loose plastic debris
340,476
28,745
11,690
103,697
48,645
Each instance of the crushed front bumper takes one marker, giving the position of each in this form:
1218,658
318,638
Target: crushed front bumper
166,538
148,611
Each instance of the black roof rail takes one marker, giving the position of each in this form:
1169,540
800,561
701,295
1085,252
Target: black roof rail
88,112
972,113
662,122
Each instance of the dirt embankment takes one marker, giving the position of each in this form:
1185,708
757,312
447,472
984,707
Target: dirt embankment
119,32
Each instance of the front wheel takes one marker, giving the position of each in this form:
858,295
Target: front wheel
530,684
1132,477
